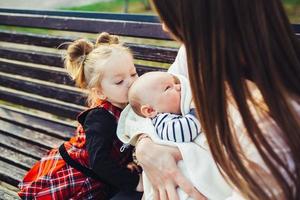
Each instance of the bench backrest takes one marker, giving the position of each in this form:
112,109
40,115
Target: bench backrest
34,77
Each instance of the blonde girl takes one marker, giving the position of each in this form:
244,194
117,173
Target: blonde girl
90,165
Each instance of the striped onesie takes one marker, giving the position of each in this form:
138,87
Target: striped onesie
177,128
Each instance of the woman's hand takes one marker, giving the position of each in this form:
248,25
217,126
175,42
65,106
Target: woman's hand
160,165
134,167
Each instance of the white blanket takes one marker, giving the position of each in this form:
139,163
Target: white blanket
197,164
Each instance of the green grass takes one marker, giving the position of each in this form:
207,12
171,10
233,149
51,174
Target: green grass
292,8
135,6
294,2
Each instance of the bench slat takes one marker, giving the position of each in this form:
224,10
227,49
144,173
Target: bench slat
29,101
56,128
8,192
34,39
40,73
48,91
126,28
153,53
143,52
36,57
86,14
11,174
29,135
21,147
48,58
16,159
53,76
140,69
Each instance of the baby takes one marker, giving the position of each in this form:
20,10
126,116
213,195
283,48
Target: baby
160,106
157,95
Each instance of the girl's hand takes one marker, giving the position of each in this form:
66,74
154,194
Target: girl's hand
134,167
160,165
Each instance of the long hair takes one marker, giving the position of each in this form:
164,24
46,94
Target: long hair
228,42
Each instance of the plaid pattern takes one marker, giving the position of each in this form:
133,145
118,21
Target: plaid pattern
53,178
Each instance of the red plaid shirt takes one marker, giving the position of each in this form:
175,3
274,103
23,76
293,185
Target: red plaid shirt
53,178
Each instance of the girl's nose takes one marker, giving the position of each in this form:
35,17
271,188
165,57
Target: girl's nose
130,81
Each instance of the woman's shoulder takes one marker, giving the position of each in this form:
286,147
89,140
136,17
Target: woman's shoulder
180,64
97,114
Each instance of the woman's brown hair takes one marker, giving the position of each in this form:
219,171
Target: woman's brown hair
228,42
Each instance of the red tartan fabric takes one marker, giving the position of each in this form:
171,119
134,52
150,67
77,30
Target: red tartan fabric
53,178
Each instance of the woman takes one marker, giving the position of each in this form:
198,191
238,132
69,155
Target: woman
252,127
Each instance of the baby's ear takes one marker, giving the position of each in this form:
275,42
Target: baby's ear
148,111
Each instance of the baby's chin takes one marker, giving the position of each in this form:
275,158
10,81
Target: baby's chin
172,110
177,112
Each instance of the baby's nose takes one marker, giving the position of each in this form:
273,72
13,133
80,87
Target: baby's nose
178,87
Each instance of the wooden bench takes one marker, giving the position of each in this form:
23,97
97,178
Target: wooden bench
38,101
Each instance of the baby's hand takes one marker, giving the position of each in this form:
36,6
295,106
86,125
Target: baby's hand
134,167
192,106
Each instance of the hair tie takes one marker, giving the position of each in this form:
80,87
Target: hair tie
83,58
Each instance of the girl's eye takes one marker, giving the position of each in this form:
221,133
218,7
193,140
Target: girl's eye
133,75
167,88
120,82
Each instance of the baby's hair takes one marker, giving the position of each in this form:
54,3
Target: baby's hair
84,61
136,95
135,100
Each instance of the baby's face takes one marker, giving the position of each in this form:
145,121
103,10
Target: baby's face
164,90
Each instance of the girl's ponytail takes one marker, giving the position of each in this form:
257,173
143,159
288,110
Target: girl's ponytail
105,38
75,58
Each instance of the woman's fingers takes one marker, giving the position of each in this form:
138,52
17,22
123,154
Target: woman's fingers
171,192
188,187
155,194
134,167
163,194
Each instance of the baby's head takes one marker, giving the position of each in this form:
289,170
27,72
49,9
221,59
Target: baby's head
105,69
155,92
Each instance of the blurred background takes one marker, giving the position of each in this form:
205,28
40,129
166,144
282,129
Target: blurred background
111,6
120,6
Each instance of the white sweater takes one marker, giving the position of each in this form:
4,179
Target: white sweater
267,125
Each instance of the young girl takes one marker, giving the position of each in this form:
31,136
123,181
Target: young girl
91,165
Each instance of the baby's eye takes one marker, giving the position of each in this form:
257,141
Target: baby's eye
133,75
120,82
168,87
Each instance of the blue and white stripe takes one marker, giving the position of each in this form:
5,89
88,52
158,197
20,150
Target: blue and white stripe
177,128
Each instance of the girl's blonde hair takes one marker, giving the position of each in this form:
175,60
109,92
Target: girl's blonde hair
85,61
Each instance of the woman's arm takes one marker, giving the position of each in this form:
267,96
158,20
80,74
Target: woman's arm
160,165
